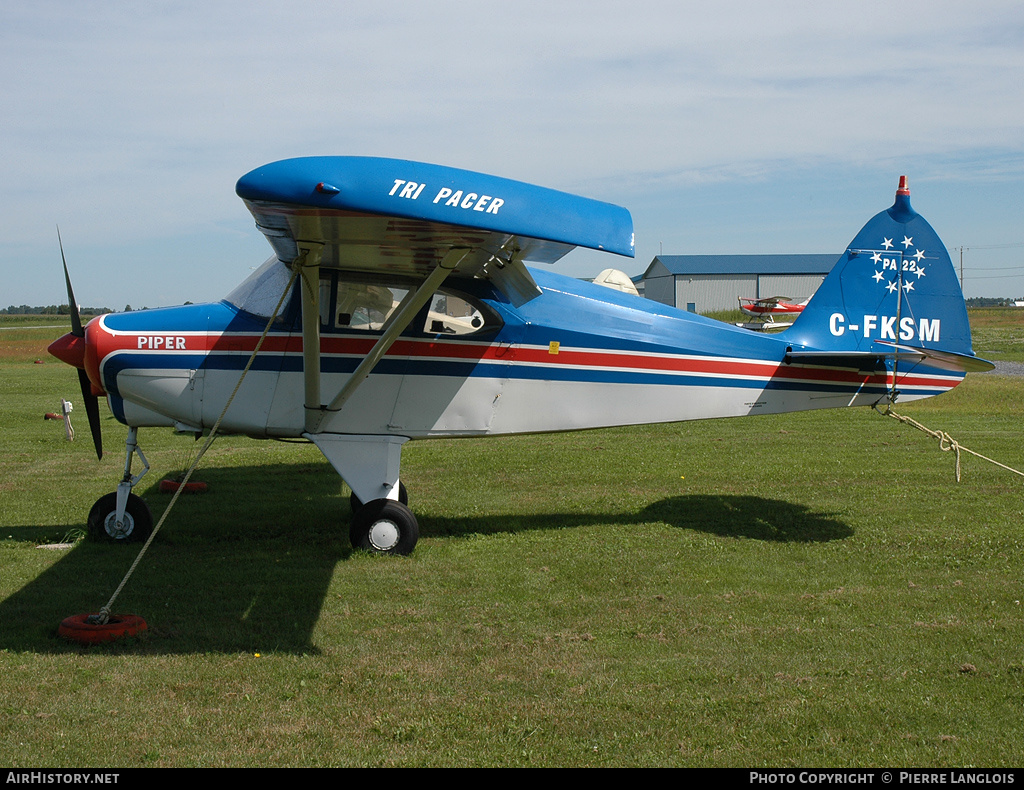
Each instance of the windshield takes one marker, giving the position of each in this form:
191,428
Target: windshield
260,292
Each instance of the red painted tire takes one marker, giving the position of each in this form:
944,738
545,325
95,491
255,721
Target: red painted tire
77,628
170,486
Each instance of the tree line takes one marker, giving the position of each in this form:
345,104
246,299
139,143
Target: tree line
57,309
989,301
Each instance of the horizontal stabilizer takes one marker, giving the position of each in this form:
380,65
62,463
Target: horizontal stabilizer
966,363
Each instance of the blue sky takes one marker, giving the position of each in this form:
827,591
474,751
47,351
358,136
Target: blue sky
733,127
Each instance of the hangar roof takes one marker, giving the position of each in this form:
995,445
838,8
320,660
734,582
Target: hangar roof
741,264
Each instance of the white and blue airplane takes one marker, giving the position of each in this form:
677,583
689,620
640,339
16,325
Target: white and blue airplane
397,306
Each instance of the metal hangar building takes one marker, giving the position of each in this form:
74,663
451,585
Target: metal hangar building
710,283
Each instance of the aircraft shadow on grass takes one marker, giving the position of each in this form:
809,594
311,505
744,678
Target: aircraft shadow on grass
256,580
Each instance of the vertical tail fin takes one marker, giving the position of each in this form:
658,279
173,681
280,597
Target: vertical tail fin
894,286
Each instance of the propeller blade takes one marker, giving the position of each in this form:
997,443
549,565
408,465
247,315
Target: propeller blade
92,403
76,319
92,409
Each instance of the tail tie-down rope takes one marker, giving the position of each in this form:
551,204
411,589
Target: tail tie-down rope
946,442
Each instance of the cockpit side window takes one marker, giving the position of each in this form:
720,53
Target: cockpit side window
451,314
358,305
351,303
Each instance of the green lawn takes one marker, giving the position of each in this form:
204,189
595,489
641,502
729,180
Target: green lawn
797,590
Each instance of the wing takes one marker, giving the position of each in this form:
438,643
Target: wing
423,221
388,215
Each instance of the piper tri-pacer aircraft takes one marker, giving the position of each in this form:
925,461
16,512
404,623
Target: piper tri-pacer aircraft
397,306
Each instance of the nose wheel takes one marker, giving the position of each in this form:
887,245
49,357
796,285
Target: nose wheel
122,515
384,526
135,524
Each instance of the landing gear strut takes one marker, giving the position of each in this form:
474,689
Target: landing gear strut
121,515
370,465
356,503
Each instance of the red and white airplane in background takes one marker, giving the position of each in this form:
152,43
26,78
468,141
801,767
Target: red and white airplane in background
772,306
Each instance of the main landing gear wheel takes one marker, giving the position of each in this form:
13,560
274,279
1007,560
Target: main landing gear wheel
384,526
403,496
137,524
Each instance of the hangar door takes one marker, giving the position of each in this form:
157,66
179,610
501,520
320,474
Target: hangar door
712,292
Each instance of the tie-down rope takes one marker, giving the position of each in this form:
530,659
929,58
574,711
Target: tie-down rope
104,614
946,442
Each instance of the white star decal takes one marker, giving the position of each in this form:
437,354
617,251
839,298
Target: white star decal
892,286
907,241
908,286
878,277
887,244
877,257
920,273
919,255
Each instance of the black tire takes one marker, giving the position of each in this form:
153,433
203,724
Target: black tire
384,526
355,502
138,521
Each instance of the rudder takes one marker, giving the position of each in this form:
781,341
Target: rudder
894,285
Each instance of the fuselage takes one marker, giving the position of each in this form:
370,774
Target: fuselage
578,356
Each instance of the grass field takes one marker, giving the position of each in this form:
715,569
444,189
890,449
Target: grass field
798,590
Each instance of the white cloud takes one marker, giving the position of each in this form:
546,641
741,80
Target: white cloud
129,123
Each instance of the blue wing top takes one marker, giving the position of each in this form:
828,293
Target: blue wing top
396,214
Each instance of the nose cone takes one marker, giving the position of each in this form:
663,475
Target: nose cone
82,353
69,349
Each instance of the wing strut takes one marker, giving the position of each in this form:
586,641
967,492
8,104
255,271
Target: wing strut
309,270
393,327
